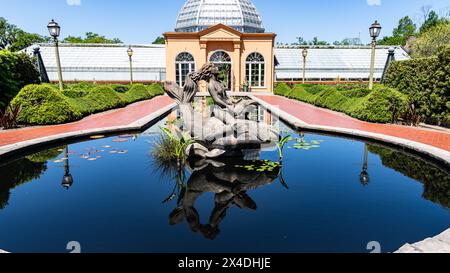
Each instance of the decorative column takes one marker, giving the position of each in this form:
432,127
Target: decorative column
237,66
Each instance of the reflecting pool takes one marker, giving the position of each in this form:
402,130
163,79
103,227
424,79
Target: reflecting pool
329,194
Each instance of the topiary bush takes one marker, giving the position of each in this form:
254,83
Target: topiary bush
78,90
121,88
101,98
44,104
282,89
156,89
382,105
137,92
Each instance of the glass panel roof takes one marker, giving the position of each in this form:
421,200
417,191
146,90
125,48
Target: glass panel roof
197,15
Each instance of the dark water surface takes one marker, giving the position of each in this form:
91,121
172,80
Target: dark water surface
317,201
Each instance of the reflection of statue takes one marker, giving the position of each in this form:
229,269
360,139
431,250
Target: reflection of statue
230,185
227,130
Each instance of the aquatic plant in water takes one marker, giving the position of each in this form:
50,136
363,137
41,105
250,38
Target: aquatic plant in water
281,144
172,146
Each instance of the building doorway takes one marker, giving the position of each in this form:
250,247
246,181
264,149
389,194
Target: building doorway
222,61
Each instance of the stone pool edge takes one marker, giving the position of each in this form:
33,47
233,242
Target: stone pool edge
427,150
134,126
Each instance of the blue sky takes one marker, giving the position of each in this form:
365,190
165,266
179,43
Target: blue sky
140,21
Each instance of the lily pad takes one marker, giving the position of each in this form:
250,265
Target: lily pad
97,137
120,140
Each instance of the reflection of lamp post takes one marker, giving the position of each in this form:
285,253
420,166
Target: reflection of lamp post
374,30
67,180
305,54
130,55
54,29
364,177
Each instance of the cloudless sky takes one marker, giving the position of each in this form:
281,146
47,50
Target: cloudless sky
140,21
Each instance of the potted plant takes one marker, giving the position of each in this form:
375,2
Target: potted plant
245,86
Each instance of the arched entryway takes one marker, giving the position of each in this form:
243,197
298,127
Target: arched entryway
222,60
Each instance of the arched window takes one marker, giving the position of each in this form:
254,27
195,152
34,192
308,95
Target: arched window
222,61
184,64
255,70
220,57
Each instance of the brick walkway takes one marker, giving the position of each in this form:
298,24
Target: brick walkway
317,116
113,118
305,112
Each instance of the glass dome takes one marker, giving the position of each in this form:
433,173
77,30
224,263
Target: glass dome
197,15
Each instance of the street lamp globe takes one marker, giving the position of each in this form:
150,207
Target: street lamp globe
54,29
375,30
305,53
130,52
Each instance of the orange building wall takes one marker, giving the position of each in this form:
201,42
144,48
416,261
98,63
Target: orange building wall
238,45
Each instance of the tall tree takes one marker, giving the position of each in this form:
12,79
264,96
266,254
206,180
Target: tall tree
432,20
91,38
15,39
349,41
400,35
431,41
159,41
316,41
406,28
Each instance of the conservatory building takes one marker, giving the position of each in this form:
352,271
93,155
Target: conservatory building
227,33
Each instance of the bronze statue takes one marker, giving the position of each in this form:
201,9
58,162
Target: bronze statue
227,130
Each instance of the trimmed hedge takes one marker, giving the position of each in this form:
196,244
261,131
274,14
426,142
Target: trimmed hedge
16,71
382,105
45,104
426,82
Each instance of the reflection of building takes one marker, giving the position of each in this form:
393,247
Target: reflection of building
229,33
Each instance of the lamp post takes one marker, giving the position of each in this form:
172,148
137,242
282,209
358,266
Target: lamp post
130,55
54,29
364,176
305,55
374,30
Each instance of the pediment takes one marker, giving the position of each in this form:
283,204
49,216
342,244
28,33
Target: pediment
220,33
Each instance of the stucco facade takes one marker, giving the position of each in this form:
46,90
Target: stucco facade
202,45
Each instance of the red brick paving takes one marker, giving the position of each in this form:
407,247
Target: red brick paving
305,112
113,118
323,117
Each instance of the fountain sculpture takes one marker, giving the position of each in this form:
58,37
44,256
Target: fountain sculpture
227,130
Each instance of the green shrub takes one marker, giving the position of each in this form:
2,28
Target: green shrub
120,88
282,89
299,93
16,71
155,89
100,98
383,105
137,92
78,90
426,82
44,104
